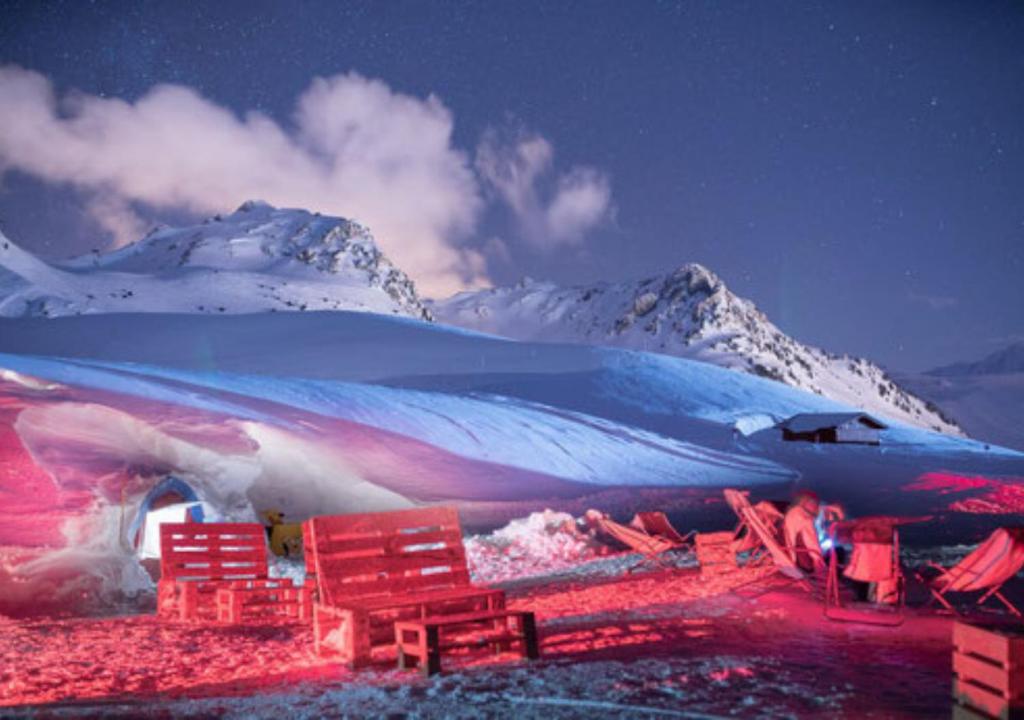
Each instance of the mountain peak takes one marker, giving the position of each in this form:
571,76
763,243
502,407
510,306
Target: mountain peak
688,312
257,259
1007,360
250,205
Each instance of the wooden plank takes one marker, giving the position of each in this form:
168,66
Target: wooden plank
391,564
442,620
338,527
384,544
985,700
982,642
192,566
223,528
427,599
399,586
980,670
216,556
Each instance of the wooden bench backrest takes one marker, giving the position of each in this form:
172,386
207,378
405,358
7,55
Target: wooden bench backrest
386,553
213,551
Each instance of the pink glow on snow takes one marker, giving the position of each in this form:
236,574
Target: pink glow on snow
998,496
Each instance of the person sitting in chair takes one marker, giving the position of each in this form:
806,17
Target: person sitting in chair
801,534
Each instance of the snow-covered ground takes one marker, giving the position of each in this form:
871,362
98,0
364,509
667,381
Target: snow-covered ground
652,644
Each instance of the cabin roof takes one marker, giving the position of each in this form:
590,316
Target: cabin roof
809,422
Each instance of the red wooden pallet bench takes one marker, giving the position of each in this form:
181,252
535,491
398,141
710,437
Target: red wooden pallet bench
422,642
198,560
374,569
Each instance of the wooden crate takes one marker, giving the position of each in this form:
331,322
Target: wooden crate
715,552
988,669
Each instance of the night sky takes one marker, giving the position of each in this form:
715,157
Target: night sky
856,169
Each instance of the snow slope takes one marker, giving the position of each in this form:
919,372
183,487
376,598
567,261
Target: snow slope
256,259
326,412
687,313
262,259
985,397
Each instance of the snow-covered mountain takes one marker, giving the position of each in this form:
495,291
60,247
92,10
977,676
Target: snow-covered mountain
985,397
256,259
688,313
1008,360
96,410
260,258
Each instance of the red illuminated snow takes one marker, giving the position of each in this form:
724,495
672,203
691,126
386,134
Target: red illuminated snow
660,641
981,495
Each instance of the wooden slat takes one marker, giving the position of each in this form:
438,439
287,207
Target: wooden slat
1001,679
215,557
426,599
982,642
379,544
216,571
398,586
223,528
336,527
392,564
984,699
442,620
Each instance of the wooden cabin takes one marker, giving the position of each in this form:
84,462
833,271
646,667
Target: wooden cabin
858,428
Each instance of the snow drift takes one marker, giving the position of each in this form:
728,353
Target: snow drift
313,413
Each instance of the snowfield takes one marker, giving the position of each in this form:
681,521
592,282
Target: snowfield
275,360
334,412
263,259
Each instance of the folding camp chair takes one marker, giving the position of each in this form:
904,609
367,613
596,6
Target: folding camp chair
984,570
651,546
765,535
657,524
747,540
875,559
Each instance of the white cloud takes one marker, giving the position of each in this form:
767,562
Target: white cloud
515,170
115,215
358,149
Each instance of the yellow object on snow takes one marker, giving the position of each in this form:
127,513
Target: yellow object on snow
285,538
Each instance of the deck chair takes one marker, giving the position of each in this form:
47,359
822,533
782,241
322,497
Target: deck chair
875,559
740,503
657,524
747,540
652,547
984,570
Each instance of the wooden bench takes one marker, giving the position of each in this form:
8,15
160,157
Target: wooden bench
374,569
422,642
198,560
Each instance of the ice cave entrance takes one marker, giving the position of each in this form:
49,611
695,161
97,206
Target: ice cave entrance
171,500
